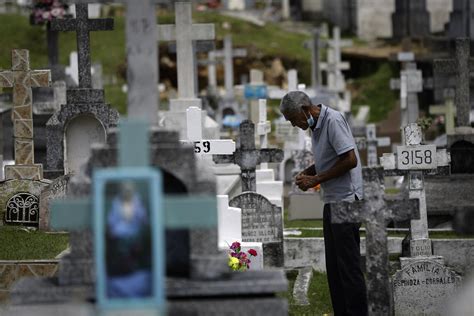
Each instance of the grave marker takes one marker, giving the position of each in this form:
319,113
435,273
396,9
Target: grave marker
82,25
448,110
21,78
315,46
248,157
461,66
376,212
204,146
414,160
461,20
184,32
410,19
372,143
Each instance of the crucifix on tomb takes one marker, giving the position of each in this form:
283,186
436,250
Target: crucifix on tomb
372,143
82,25
263,127
334,64
461,66
142,57
21,78
204,146
414,160
376,212
184,32
315,45
248,157
409,84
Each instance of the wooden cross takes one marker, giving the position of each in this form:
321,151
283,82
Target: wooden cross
21,78
376,212
82,25
248,157
184,33
415,160
461,66
204,146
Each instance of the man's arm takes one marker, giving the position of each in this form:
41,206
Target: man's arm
346,162
310,171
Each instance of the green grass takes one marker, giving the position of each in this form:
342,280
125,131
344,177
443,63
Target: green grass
374,90
18,244
318,295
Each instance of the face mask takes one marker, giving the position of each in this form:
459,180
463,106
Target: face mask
309,120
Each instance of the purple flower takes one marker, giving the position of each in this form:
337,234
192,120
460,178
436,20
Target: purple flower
235,246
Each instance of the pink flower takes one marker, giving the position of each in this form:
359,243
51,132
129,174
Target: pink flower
235,246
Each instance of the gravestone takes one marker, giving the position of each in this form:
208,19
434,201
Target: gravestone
184,32
83,103
410,19
255,90
19,193
461,142
409,84
372,143
376,212
315,46
448,111
461,23
248,157
262,222
422,274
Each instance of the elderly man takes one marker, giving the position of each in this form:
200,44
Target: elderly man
337,168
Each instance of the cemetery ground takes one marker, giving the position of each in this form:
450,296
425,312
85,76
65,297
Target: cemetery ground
263,43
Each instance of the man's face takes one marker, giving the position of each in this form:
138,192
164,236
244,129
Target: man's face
297,119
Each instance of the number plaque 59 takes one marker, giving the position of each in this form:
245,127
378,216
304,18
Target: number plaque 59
416,157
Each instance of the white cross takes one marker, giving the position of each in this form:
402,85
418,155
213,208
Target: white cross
184,32
413,159
204,146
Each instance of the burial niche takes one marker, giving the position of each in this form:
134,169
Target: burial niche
462,157
81,132
23,208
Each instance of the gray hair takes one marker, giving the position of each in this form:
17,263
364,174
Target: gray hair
293,101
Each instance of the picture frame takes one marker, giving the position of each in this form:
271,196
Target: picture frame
128,212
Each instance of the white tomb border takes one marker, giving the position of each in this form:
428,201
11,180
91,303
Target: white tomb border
204,146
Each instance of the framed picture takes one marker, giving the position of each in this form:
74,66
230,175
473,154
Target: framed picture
129,238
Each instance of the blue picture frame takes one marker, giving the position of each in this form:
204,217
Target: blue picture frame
153,179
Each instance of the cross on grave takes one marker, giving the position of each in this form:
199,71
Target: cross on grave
21,78
263,127
76,214
248,157
257,89
449,112
204,146
184,32
315,46
376,212
415,160
371,142
409,84
461,66
228,53
82,25
198,47
334,64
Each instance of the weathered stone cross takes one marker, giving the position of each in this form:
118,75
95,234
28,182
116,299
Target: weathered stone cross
82,25
184,33
414,160
248,157
376,212
22,79
461,66
372,143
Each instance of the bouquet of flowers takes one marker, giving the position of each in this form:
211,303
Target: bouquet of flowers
239,260
45,10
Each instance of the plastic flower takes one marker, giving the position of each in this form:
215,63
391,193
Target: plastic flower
235,246
253,252
234,263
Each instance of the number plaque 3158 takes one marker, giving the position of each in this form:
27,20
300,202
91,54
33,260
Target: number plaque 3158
416,157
